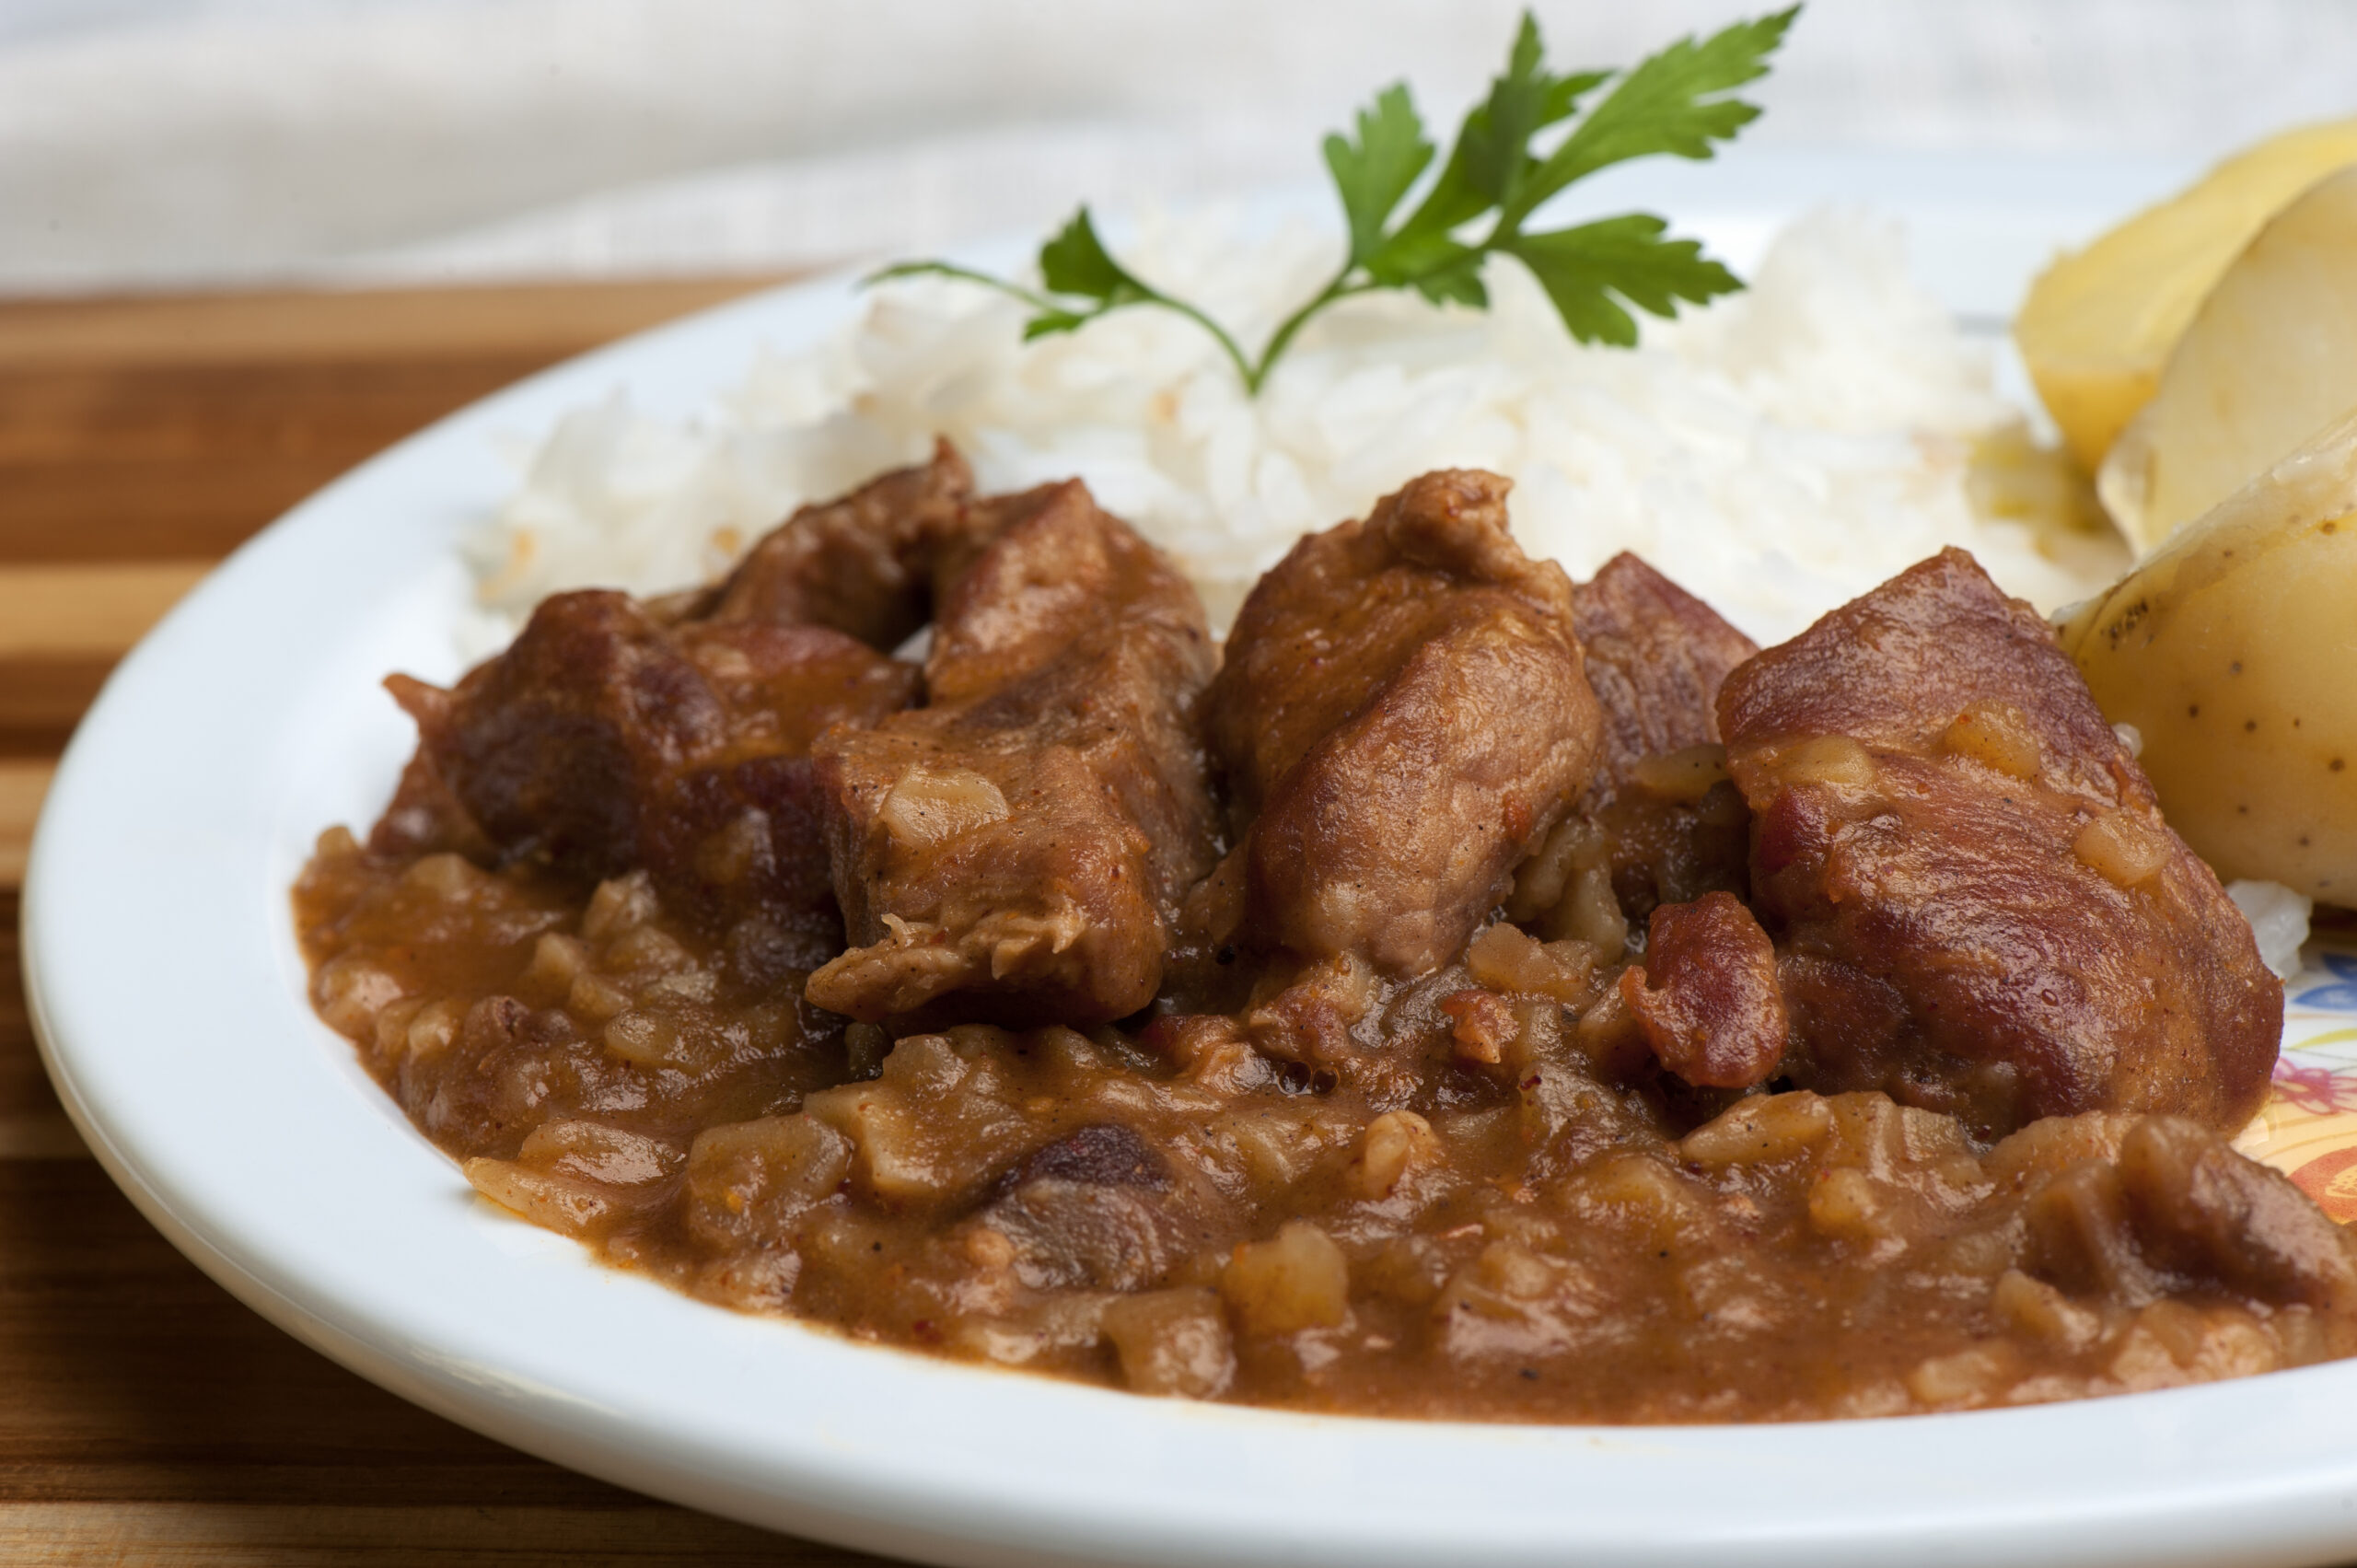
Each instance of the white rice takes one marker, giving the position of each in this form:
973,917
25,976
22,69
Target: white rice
2279,920
1778,453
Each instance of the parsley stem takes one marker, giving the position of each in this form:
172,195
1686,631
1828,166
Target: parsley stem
1337,289
1219,333
1032,298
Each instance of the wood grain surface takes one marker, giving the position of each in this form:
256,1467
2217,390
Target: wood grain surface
146,1417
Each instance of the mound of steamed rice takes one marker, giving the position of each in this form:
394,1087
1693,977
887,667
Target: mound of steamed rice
1778,453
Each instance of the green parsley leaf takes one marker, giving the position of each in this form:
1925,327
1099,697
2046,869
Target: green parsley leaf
1454,275
1562,99
1075,261
1496,134
1672,103
1478,167
1047,323
1049,316
1449,205
1678,102
1582,270
1374,172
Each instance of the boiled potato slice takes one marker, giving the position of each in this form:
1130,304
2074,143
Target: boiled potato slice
2233,651
2099,324
2269,360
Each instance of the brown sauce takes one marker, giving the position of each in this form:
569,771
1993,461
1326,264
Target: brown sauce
1509,1241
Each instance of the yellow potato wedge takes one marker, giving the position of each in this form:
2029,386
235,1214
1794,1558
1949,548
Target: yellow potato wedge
2269,360
2234,653
2099,324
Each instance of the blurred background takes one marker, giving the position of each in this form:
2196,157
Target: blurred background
169,143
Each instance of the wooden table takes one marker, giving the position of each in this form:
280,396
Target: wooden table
145,1415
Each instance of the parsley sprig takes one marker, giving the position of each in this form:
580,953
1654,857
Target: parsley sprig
1678,101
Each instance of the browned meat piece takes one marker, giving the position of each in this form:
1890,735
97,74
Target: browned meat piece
735,841
1021,844
675,735
1660,824
1097,1209
1103,1154
861,564
600,741
2200,1209
1402,716
782,687
2177,1212
1706,994
1980,908
1657,655
425,816
554,745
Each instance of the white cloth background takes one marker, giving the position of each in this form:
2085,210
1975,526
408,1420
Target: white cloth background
163,143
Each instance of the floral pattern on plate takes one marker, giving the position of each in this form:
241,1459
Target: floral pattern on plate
2308,1127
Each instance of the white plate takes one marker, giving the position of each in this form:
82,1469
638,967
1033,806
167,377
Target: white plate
166,989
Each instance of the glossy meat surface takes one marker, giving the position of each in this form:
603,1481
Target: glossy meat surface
1706,995
551,745
862,563
1656,657
1979,906
600,741
675,737
1020,843
1402,715
1659,824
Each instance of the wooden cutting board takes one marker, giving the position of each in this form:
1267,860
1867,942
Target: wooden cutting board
145,1417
